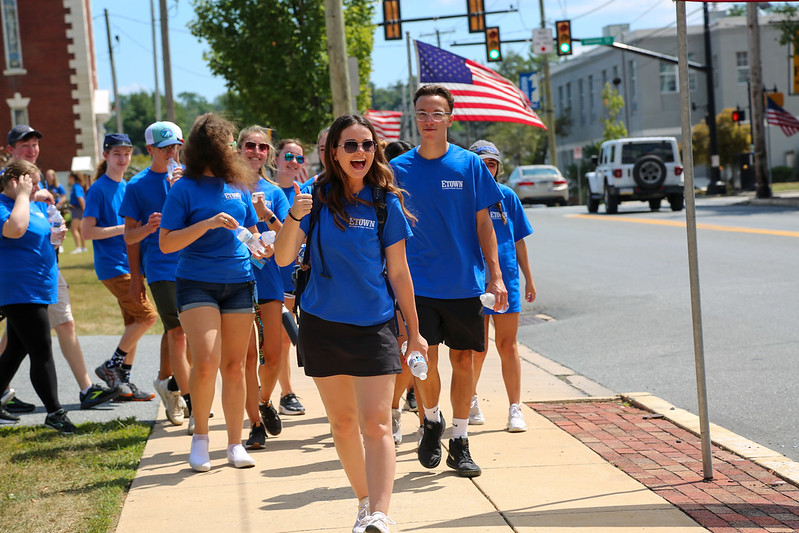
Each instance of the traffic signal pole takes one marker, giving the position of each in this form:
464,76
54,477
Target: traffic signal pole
549,105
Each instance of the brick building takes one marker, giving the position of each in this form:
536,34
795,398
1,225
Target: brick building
50,78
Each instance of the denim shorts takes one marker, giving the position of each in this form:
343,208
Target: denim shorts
227,297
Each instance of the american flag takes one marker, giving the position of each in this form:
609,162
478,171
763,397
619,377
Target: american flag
480,93
777,116
387,123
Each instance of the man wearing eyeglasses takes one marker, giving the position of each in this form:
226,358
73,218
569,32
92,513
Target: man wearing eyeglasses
141,209
449,190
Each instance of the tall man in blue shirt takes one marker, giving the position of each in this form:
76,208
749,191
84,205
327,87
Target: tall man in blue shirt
449,191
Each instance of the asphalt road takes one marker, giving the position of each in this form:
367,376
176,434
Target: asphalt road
618,289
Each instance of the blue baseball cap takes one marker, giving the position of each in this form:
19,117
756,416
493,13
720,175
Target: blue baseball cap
486,150
161,134
116,139
20,131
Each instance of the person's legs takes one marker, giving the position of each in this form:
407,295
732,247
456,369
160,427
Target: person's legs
74,227
164,368
203,332
289,404
478,358
235,337
506,327
251,378
271,316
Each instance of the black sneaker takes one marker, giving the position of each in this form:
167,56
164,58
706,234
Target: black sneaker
96,395
410,400
111,376
429,452
270,418
59,421
257,438
15,405
7,418
460,459
290,405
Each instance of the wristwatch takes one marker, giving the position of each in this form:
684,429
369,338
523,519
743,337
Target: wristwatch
272,220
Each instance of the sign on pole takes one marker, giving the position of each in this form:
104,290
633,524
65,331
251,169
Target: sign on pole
608,40
528,84
578,152
542,41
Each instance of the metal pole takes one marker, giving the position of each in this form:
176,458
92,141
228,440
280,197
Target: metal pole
693,262
717,185
337,57
157,94
548,103
117,103
411,121
168,100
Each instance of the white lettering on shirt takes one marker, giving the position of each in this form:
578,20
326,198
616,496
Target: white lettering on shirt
495,215
450,185
232,196
363,223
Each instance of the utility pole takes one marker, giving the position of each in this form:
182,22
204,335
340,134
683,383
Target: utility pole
155,64
437,34
117,103
168,101
549,105
716,185
337,57
756,119
411,92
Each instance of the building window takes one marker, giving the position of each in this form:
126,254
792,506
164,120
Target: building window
19,109
742,64
668,77
561,103
569,99
581,96
604,79
13,46
633,87
591,98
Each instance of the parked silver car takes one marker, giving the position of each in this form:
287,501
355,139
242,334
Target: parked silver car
539,184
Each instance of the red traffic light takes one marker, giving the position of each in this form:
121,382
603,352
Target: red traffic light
738,115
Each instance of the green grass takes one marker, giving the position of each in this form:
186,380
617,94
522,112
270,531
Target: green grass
53,482
791,186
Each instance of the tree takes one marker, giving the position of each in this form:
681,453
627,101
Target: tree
614,103
273,55
733,139
788,25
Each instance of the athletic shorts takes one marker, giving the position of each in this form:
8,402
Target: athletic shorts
76,213
227,297
61,311
165,296
327,348
458,323
132,310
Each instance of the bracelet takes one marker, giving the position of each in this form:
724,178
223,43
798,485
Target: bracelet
293,217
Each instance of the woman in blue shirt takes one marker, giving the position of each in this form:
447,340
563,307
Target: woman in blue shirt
77,203
350,350
214,277
28,284
511,227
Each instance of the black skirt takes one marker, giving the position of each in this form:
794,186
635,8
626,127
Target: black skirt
329,348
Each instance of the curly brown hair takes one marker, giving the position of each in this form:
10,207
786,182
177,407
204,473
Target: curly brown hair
208,148
379,174
15,169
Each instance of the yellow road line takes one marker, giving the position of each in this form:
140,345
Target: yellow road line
714,227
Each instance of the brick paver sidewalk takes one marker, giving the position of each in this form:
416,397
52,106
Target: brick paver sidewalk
667,459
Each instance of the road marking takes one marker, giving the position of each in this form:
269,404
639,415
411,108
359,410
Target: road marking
674,223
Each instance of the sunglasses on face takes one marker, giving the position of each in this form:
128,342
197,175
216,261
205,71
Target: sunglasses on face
352,146
288,156
251,146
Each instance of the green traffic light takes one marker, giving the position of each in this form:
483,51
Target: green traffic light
565,48
493,54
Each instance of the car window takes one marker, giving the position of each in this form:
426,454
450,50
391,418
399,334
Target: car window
632,152
539,172
612,153
514,174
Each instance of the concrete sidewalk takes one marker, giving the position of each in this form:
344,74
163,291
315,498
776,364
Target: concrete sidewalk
545,479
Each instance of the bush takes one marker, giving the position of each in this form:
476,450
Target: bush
781,174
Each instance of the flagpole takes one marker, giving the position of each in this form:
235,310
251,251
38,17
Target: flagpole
411,121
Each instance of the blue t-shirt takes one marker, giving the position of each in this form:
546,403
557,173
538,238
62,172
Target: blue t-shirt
102,203
217,256
57,191
286,272
355,291
268,280
77,192
445,194
28,269
516,229
145,195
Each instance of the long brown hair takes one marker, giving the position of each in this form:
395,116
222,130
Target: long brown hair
208,148
379,174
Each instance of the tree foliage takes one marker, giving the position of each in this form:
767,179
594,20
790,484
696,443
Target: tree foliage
788,25
273,56
614,103
732,137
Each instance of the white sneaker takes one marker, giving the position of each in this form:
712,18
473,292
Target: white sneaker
238,457
396,426
377,522
516,419
76,251
190,429
476,417
199,460
363,514
172,400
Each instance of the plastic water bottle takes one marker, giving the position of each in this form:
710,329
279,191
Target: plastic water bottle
171,165
252,243
488,300
416,362
56,225
301,254
268,237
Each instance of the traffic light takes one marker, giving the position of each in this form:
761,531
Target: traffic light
392,25
564,37
738,115
477,19
493,46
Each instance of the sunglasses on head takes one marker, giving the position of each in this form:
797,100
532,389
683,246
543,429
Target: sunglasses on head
352,146
288,156
250,145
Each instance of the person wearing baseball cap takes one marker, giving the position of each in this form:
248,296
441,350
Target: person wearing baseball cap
103,224
511,227
141,208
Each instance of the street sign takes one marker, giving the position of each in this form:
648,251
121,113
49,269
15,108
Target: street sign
597,40
578,153
528,84
542,41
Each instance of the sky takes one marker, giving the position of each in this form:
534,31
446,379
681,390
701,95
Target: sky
131,33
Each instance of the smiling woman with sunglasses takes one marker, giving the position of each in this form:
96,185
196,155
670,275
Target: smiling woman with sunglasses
351,350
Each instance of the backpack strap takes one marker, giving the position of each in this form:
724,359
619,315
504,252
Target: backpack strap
379,202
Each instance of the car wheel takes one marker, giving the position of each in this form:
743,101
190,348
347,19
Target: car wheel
654,204
611,202
593,204
649,172
676,202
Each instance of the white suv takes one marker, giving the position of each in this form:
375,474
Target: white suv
640,168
